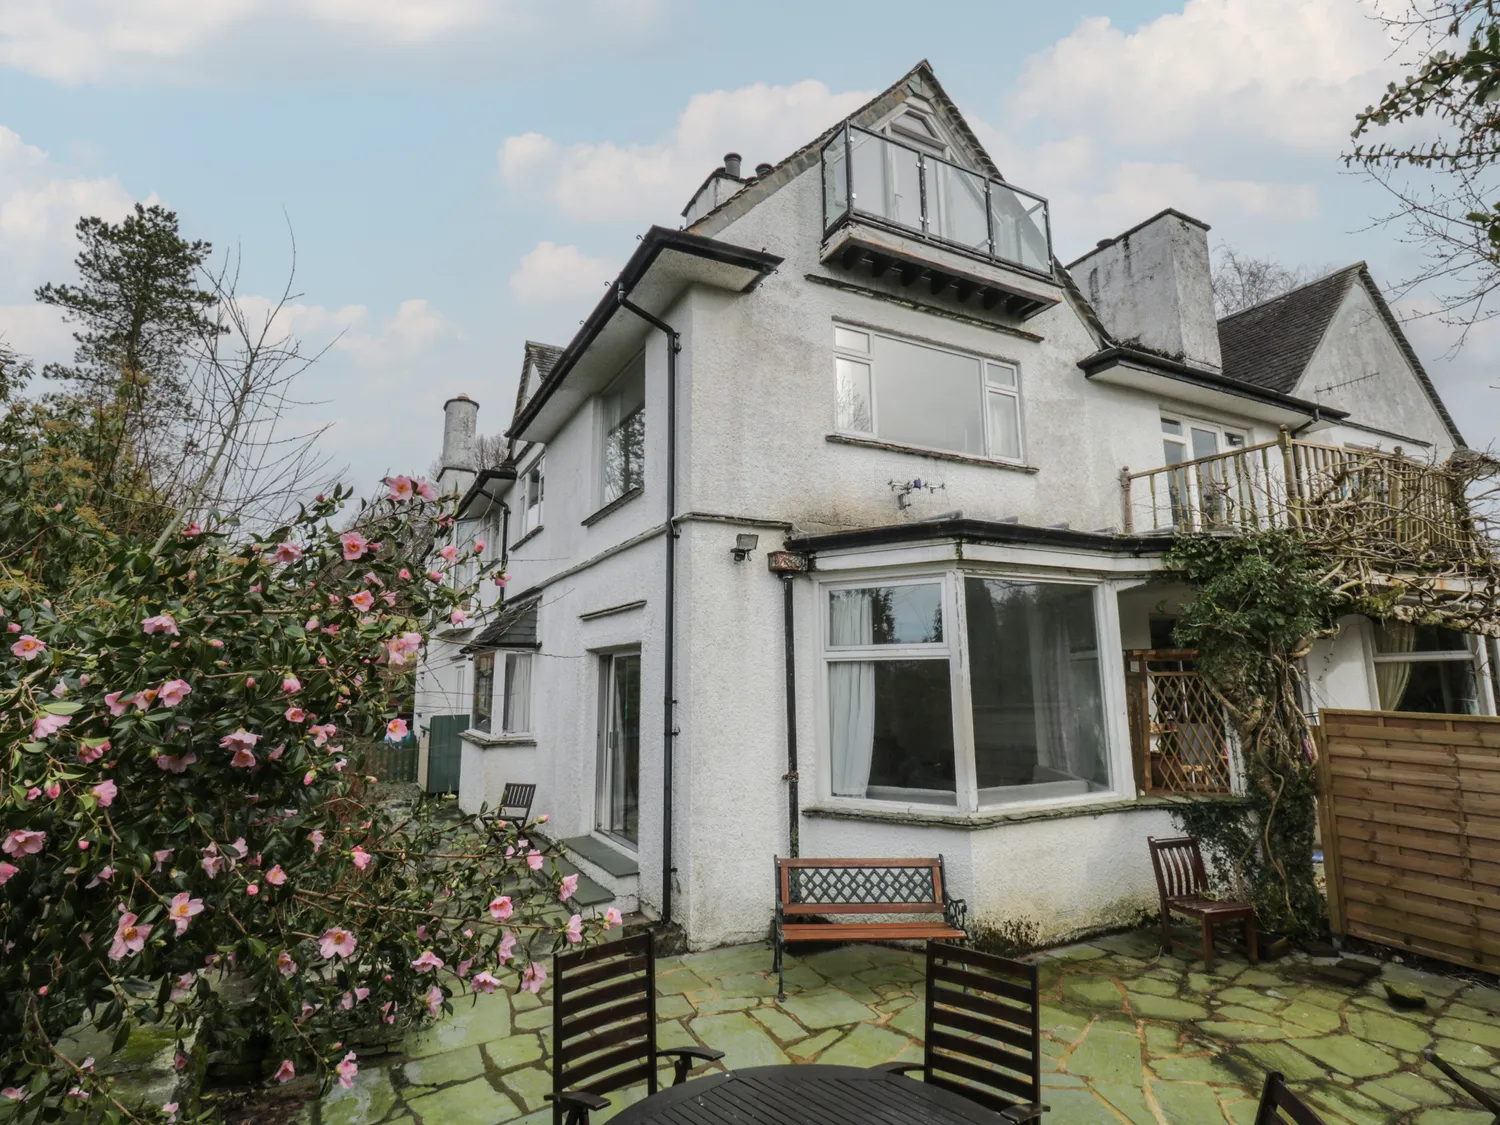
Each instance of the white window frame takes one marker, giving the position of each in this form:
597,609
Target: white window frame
604,429
986,389
955,649
534,473
1475,653
1222,432
501,683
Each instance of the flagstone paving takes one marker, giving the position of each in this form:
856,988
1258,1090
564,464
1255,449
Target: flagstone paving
1129,1036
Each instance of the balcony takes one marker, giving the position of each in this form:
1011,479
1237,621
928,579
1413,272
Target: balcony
889,205
1334,496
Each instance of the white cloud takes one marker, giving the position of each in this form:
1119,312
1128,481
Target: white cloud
372,343
91,41
558,273
609,181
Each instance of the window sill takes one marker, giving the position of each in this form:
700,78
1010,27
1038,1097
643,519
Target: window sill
618,502
485,738
530,535
996,818
922,451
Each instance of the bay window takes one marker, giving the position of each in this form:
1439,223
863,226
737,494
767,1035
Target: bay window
965,691
515,710
925,396
528,517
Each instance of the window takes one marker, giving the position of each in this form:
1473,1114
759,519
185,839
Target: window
515,712
1032,682
484,690
889,694
529,512
1426,668
1206,491
916,394
622,411
618,790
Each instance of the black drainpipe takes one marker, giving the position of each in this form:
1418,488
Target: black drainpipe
793,827
669,701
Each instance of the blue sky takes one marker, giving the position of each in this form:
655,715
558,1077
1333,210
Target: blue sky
462,175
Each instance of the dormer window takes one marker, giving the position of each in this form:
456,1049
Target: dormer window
917,129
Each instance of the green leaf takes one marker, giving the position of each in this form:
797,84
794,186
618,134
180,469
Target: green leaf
62,708
121,1037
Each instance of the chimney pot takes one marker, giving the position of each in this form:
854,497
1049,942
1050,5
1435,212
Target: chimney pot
732,164
764,170
460,439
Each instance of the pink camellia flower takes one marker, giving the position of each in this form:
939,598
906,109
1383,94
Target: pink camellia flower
502,580
253,889
23,841
284,964
322,732
534,977
311,625
396,730
129,937
53,790
569,888
362,601
277,752
276,876
361,858
402,488
291,684
309,777
485,982
28,647
534,859
33,793
449,552
355,545
295,715
83,845
59,689
458,617
506,948
174,692
427,961
179,1062
14,1093
161,623
116,708
434,1001
143,699
240,847
612,918
500,908
479,547
424,488
213,862
287,552
337,942
48,725
347,1069
192,530
6,871
317,840
249,681
183,909
174,763
106,791
435,577
286,1071
161,857
88,755
574,929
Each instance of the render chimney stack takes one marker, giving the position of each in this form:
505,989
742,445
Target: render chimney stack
764,170
460,443
732,164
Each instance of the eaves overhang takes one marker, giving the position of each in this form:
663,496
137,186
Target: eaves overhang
1159,375
665,263
488,487
981,531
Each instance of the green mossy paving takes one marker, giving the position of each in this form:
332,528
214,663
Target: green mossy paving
1129,1038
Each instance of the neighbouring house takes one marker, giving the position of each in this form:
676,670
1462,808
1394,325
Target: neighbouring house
836,525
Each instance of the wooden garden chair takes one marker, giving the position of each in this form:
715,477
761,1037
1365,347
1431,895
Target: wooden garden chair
1487,1101
1183,886
604,1028
983,1030
1279,1106
515,802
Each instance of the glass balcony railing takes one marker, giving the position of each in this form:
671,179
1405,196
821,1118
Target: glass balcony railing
875,177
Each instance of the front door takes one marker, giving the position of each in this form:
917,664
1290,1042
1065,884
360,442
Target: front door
618,799
444,752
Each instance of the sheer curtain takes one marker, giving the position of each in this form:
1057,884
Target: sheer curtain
1052,674
851,696
1391,677
517,719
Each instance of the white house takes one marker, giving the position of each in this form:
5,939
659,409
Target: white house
818,536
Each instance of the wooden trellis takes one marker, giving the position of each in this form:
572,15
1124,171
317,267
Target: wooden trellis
1179,732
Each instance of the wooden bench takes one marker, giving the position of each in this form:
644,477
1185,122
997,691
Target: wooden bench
806,887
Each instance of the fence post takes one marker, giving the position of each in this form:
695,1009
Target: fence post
1289,471
1128,522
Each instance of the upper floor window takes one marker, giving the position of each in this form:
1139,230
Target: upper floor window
529,510
917,394
622,410
1188,439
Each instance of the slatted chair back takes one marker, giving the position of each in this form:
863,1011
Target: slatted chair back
984,1037
860,886
1279,1106
604,1017
1178,863
515,801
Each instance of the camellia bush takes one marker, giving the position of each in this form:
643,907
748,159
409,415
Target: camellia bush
185,844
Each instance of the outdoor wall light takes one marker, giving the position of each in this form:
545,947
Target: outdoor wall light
743,545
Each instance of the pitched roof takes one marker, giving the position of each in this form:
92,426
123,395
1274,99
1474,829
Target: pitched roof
542,357
1270,344
515,628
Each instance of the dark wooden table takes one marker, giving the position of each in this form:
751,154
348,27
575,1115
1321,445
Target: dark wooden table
806,1095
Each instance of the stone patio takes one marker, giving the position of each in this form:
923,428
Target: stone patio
1129,1036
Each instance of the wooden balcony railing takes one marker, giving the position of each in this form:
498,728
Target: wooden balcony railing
1323,491
1179,732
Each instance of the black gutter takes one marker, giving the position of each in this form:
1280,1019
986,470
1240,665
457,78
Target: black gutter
1185,373
794,833
655,241
983,531
504,472
669,700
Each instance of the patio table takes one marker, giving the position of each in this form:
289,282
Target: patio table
806,1095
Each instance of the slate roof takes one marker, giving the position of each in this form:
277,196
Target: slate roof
544,358
516,628
1270,344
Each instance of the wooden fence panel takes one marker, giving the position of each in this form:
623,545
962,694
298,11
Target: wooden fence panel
1411,831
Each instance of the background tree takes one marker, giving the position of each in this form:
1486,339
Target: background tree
1433,139
1241,281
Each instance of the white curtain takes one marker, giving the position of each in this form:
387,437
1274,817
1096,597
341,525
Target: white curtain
1391,677
517,718
851,696
1052,687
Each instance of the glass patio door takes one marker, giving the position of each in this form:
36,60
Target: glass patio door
618,798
